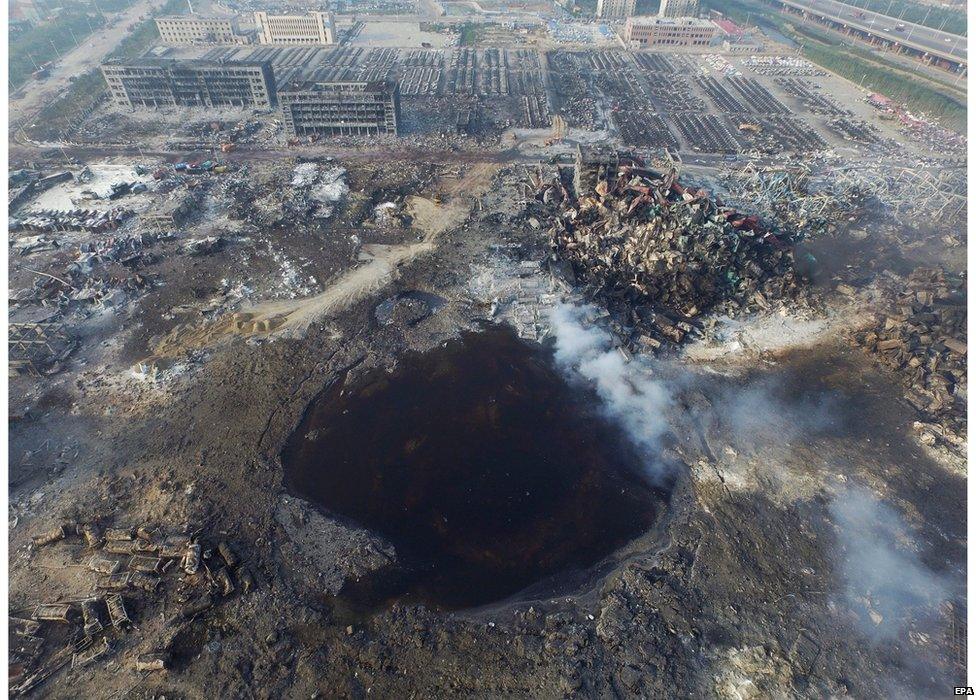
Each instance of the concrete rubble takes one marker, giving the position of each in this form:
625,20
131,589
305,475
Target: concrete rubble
189,285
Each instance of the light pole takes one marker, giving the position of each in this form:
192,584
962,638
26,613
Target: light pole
954,45
920,23
55,49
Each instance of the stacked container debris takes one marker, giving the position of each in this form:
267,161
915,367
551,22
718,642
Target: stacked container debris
135,573
921,335
74,220
661,254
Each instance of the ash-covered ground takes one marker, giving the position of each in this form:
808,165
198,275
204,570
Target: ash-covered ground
760,510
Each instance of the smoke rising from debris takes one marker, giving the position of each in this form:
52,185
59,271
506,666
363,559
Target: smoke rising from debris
760,411
882,578
630,393
880,572
639,400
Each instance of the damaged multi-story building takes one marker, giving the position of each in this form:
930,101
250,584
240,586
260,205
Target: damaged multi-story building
345,108
165,82
679,8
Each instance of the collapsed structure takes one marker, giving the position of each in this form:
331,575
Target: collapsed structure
660,254
798,198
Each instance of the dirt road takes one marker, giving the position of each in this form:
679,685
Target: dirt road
380,264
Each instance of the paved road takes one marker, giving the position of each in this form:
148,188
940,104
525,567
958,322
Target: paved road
935,42
88,54
706,161
244,153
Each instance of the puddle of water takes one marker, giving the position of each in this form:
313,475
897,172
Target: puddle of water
482,465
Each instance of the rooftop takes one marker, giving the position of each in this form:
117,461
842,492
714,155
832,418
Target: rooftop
729,27
672,21
320,80
149,61
198,17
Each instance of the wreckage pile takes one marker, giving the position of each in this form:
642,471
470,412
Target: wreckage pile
662,254
132,570
77,287
286,194
817,202
922,336
90,220
322,187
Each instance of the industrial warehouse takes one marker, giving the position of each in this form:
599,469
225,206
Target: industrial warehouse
537,349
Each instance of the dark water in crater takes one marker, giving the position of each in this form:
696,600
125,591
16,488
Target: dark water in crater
480,463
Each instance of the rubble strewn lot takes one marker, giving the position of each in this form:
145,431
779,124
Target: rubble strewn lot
746,309
132,569
921,335
190,442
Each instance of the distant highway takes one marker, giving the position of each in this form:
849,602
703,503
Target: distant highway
72,62
942,44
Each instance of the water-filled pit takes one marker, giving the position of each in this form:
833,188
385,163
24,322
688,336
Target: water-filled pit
481,463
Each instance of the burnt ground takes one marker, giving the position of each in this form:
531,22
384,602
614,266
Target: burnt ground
746,585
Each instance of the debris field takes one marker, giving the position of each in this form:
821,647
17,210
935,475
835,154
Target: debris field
664,254
614,373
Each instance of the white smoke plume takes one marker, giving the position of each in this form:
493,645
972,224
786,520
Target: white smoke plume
763,411
880,572
631,394
883,579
